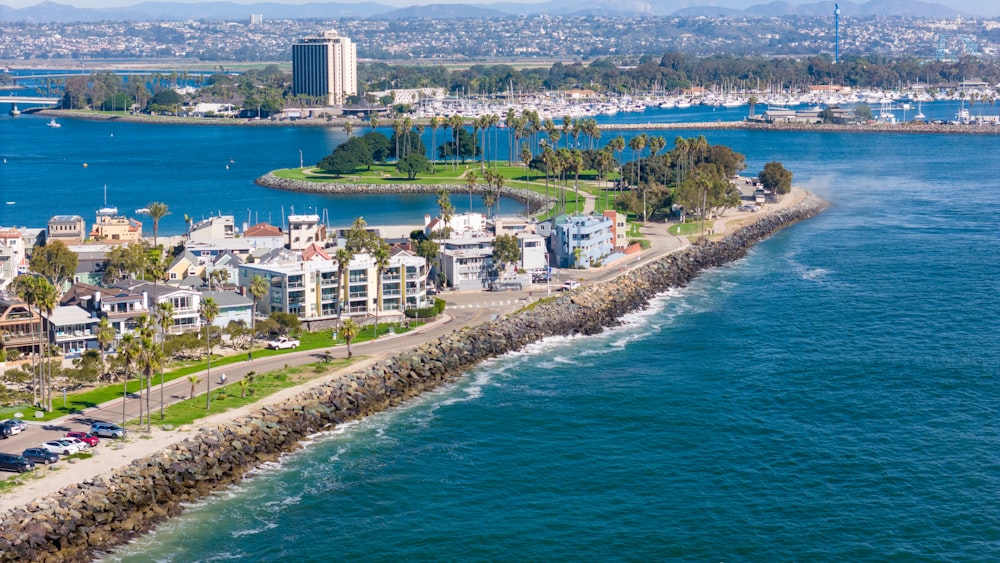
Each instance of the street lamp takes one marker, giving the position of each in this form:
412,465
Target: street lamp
300,159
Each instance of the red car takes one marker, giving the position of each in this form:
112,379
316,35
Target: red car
90,439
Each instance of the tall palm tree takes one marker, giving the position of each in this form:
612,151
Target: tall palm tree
343,260
148,359
257,289
165,318
381,263
157,210
470,182
128,350
209,309
456,123
105,336
349,329
434,123
25,286
46,299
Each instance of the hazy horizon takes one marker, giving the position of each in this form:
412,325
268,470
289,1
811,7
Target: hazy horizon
981,7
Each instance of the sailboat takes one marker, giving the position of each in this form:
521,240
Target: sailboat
920,114
53,124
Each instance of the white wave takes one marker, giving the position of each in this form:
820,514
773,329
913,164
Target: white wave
253,531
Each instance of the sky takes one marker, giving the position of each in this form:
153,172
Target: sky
969,6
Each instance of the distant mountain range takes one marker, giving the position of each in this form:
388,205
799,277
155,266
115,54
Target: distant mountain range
174,11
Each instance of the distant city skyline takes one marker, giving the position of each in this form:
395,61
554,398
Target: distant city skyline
977,7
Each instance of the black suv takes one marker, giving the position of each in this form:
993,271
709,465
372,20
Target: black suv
14,462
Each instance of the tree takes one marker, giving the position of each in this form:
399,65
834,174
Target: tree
863,111
506,250
157,210
776,177
378,145
148,357
339,163
128,350
258,289
105,337
126,260
165,318
349,329
193,380
26,287
343,259
381,258
209,309
447,212
413,164
56,262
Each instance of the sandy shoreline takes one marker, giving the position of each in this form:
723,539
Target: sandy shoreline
108,457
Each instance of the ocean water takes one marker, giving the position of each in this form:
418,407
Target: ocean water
832,396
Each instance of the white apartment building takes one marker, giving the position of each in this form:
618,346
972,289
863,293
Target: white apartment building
325,66
312,288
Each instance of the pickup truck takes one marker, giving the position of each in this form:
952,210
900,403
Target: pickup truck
283,343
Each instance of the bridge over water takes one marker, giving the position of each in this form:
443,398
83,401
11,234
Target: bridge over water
28,100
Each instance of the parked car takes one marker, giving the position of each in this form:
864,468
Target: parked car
61,447
283,343
16,426
14,462
86,437
40,455
80,444
4,431
107,430
571,284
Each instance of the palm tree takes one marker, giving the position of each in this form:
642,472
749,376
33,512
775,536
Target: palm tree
209,309
257,289
381,263
105,336
434,123
447,210
349,329
244,384
149,358
348,128
752,100
25,286
193,379
343,259
165,318
157,210
46,299
637,143
128,350
456,123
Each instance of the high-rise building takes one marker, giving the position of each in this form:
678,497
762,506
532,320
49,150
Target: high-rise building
256,20
325,66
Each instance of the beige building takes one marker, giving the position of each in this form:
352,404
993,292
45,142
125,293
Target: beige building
67,228
114,228
325,66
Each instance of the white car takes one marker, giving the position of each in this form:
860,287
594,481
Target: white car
80,444
16,426
570,285
283,343
61,447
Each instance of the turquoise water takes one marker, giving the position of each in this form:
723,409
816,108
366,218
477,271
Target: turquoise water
833,396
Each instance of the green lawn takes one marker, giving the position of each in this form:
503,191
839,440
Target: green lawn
78,401
690,228
229,397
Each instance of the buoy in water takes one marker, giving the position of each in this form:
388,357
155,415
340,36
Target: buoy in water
84,164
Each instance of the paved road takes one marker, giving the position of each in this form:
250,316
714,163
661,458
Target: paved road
465,308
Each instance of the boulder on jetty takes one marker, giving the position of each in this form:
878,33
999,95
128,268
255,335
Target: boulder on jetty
97,515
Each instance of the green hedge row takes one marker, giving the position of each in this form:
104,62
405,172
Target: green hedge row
426,312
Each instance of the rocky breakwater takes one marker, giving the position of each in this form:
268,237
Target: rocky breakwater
534,201
96,515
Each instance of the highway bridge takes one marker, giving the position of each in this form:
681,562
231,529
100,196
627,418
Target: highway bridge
28,100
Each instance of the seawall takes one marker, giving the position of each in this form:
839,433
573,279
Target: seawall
534,201
99,514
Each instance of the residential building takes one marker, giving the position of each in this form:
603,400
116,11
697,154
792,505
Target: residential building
304,230
222,227
90,265
19,326
580,240
263,235
467,260
534,254
13,258
310,285
67,228
114,228
232,307
619,229
72,329
325,66
459,224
